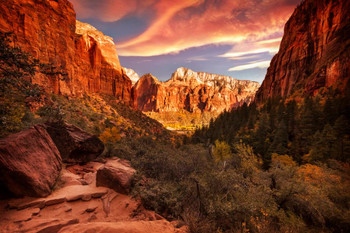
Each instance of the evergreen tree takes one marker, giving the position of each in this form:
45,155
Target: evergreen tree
323,147
262,138
280,141
342,132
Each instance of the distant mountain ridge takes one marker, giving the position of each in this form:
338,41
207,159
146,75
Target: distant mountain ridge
90,60
192,91
185,75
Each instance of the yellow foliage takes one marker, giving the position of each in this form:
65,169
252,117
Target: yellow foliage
222,151
283,159
317,175
110,135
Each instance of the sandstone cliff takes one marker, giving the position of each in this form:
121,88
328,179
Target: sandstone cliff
192,91
314,53
48,30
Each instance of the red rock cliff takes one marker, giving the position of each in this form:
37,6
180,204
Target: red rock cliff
314,53
192,91
48,30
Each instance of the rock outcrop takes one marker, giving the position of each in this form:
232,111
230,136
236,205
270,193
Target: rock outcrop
193,92
115,174
314,53
30,163
74,144
84,207
97,64
48,30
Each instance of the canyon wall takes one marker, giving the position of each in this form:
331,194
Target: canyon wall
48,30
314,54
193,92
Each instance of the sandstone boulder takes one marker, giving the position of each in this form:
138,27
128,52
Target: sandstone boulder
30,163
115,174
74,144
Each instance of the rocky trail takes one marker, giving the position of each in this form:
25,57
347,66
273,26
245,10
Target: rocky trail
77,205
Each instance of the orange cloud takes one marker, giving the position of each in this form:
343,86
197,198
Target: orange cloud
250,48
182,24
110,10
209,22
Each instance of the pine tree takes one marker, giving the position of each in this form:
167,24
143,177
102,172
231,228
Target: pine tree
342,131
280,141
262,138
323,147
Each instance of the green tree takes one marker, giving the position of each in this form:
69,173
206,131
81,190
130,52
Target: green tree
17,92
342,129
262,138
280,142
323,146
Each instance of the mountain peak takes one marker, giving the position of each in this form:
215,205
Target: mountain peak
192,91
134,77
193,78
148,78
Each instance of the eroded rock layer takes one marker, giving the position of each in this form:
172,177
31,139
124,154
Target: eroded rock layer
48,30
193,92
314,54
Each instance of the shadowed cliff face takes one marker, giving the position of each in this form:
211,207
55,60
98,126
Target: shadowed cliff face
193,92
314,53
48,30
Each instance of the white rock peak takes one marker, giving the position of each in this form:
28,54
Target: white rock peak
185,75
134,77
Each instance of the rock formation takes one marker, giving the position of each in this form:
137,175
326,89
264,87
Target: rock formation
116,174
314,53
192,91
30,163
133,76
48,30
123,227
74,144
77,205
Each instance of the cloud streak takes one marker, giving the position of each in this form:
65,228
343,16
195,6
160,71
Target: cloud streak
181,24
251,65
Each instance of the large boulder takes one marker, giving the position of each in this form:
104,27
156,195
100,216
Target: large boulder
115,174
30,163
74,144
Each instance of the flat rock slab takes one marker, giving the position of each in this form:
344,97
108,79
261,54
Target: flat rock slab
54,201
25,203
122,227
18,216
68,193
85,192
47,225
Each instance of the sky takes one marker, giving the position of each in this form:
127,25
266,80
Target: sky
237,38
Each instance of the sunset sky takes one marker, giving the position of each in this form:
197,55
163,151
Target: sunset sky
237,38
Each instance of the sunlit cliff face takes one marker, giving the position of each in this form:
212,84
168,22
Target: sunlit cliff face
246,33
